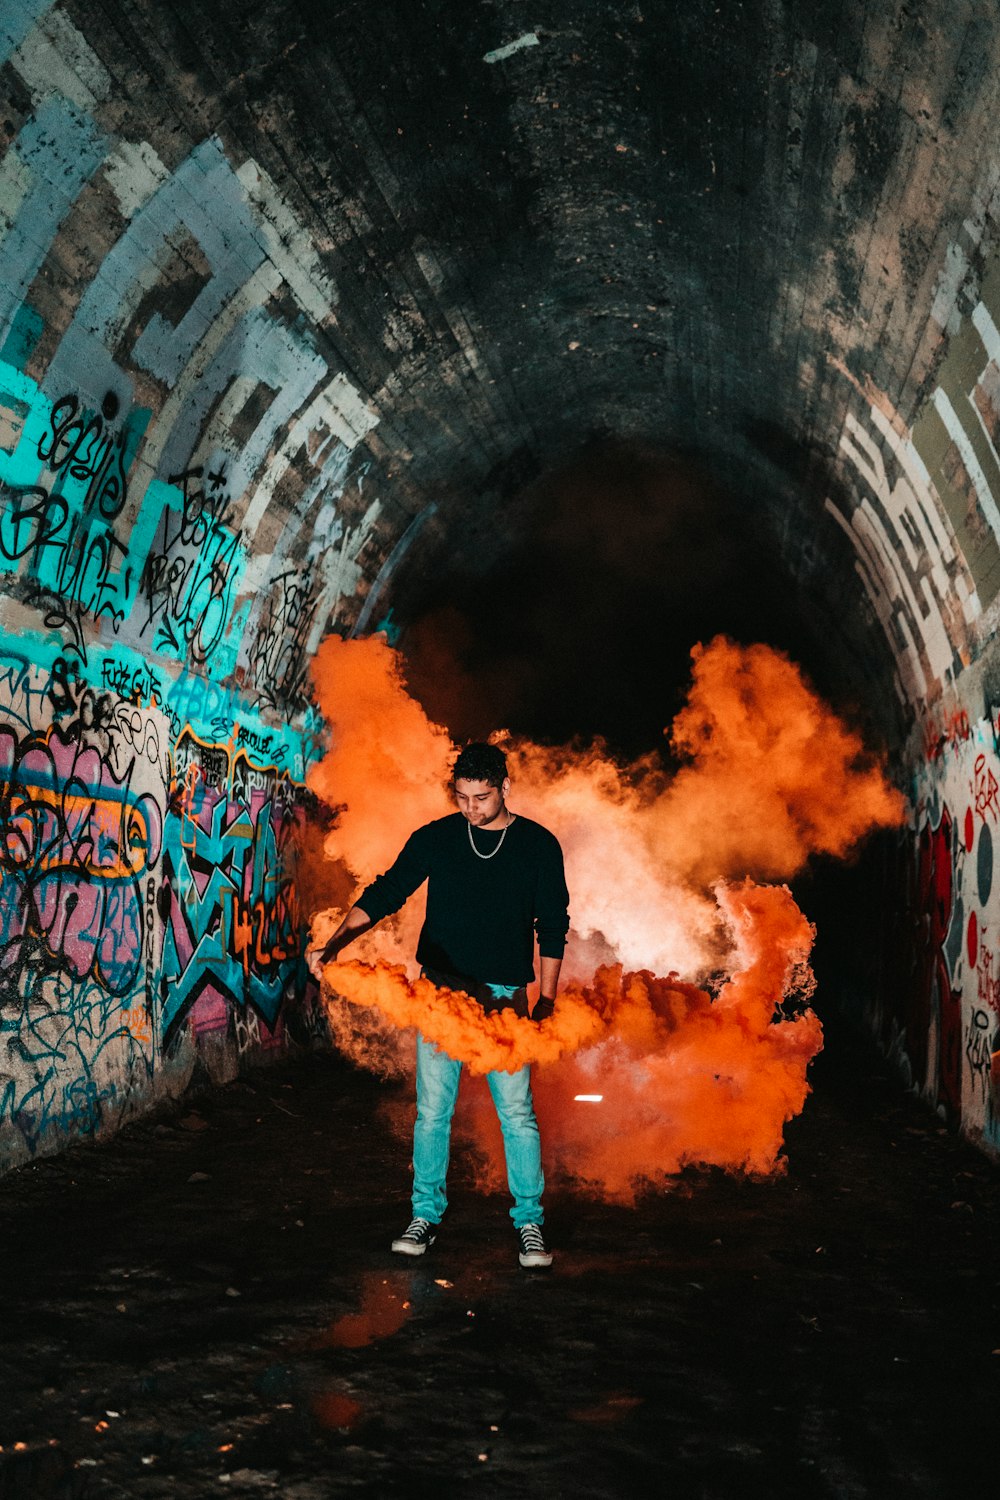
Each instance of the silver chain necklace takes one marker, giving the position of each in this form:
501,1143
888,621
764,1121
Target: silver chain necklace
510,818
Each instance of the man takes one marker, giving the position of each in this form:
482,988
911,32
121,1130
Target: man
494,878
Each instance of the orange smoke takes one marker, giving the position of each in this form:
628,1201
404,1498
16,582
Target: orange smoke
771,777
774,775
387,765
386,772
682,1077
458,1024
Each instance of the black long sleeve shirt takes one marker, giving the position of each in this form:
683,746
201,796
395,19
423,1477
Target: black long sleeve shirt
482,914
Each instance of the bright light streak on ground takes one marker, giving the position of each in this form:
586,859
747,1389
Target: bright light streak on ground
588,1098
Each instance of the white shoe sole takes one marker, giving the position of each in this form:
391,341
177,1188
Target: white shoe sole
535,1260
407,1247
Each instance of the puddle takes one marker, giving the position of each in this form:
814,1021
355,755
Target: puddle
612,1408
333,1409
385,1307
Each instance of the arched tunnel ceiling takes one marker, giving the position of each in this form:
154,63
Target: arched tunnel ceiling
753,235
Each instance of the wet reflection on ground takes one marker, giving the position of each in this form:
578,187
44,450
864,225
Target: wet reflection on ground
610,1408
385,1304
175,1327
335,1408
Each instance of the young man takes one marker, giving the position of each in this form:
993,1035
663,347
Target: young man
494,879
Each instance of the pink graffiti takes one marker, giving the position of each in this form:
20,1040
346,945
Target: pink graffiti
74,841
987,985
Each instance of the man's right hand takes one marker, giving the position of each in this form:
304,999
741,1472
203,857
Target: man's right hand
318,958
354,924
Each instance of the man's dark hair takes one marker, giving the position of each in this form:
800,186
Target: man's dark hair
480,762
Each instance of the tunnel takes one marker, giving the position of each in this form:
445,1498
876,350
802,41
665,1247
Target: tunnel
546,345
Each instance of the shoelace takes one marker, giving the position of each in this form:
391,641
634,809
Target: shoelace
531,1237
415,1228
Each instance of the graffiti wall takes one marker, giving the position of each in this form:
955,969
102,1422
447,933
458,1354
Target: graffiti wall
939,1015
920,505
182,510
148,842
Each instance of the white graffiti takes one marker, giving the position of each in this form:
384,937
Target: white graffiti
907,558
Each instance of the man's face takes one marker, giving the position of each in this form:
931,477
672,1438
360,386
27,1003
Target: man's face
480,802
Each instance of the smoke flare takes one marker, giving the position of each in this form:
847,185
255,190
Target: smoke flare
659,872
683,1077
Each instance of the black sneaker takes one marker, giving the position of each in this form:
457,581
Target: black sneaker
532,1246
416,1239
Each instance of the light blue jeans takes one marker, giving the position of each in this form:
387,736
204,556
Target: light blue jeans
437,1089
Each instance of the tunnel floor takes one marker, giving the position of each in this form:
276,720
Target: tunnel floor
208,1306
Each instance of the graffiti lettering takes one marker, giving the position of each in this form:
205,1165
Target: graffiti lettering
196,762
139,684
194,699
76,1055
62,688
68,539
977,1047
988,987
233,926
75,557
84,575
279,666
985,789
83,448
22,692
247,1031
31,519
126,877
139,732
74,840
139,1025
265,745
188,582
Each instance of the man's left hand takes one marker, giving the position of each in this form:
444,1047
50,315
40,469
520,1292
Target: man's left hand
544,1006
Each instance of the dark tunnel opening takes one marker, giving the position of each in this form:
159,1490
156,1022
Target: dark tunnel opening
569,611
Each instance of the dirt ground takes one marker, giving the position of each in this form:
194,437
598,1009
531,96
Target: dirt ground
207,1306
